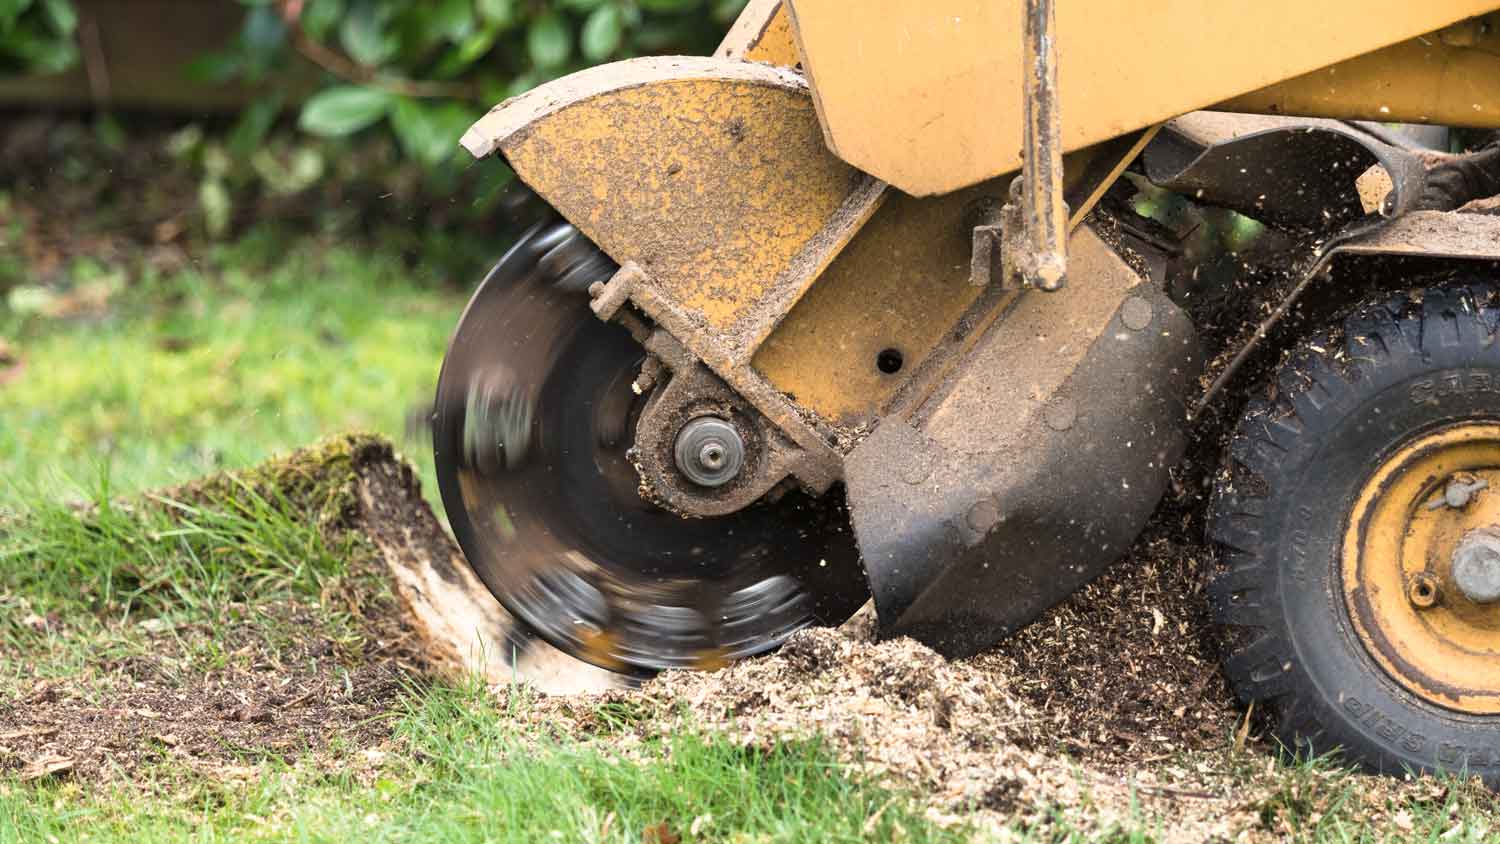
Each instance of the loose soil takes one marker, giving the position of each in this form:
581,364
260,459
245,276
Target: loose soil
271,700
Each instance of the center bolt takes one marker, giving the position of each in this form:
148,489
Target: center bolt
1476,566
709,451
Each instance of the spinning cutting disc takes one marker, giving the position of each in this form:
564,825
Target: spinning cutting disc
535,416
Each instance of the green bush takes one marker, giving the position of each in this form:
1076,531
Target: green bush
424,68
36,36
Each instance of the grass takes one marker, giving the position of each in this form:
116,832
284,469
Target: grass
115,571
469,772
258,349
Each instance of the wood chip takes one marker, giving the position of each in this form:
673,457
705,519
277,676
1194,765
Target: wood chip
250,714
34,732
660,833
46,766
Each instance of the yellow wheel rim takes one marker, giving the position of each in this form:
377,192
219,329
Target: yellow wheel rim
1412,613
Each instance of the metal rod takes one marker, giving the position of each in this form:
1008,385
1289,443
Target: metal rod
1045,264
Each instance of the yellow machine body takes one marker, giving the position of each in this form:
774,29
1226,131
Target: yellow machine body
927,96
737,204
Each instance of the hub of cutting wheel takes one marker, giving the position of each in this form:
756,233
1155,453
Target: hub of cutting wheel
709,451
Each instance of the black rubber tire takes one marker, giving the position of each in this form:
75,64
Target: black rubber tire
1341,402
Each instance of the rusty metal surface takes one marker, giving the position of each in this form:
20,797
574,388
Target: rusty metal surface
710,174
1042,259
1397,563
927,96
1444,79
1033,466
1434,234
1292,173
1307,179
901,284
692,391
907,282
762,33
1098,168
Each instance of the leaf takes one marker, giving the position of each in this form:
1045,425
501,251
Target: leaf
10,10
458,59
217,206
108,131
549,41
661,34
498,12
264,31
602,33
667,5
319,16
581,5
254,122
725,11
45,55
283,177
454,19
429,133
343,110
364,37
214,68
60,16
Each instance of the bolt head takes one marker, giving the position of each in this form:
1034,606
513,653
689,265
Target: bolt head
709,451
1423,592
1476,566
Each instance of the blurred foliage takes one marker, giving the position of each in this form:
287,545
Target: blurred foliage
417,71
36,36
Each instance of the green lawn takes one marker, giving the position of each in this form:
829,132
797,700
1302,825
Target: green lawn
261,348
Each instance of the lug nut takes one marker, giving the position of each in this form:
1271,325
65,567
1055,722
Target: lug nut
1459,492
709,451
1423,592
1476,566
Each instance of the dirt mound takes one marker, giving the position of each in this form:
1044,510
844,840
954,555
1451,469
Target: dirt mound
1108,708
1121,673
1118,678
1126,670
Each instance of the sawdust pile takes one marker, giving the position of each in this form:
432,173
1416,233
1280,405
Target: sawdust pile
895,706
1118,677
1121,673
1127,670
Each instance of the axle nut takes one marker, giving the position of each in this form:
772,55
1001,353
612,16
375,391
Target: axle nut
1476,566
709,451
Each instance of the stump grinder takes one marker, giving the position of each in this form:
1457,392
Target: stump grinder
860,308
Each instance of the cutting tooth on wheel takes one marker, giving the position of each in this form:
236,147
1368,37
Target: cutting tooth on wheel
535,420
